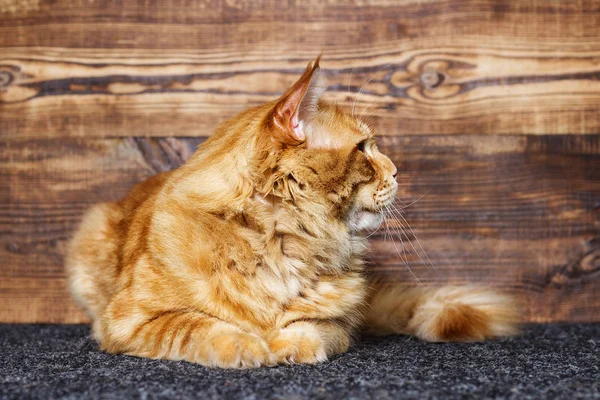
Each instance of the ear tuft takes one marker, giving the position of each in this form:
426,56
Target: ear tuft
295,109
310,102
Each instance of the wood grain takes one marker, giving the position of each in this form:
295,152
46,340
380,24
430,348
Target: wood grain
171,68
489,108
518,212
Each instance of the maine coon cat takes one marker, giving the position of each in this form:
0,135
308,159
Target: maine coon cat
251,253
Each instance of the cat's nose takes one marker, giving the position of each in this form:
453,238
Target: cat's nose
395,173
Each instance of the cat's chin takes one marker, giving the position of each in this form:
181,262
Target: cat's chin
365,220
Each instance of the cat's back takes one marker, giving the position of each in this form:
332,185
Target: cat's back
143,192
95,252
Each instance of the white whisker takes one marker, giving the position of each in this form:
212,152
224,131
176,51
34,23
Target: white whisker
350,79
414,235
410,204
403,253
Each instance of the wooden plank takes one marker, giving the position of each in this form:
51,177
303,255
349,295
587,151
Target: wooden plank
37,299
140,68
54,24
517,212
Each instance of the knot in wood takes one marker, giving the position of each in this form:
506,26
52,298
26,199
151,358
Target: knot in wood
591,262
431,79
6,77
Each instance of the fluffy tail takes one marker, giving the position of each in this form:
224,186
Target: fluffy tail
448,313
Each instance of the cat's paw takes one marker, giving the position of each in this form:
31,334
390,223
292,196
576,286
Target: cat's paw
239,350
299,343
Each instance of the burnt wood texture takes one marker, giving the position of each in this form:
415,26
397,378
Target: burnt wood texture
490,109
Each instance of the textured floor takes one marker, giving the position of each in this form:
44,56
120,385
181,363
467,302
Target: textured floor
546,362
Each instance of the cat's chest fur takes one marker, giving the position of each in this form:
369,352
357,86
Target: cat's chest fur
282,263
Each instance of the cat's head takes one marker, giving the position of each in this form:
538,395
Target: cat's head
326,155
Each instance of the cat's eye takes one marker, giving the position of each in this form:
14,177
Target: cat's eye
361,146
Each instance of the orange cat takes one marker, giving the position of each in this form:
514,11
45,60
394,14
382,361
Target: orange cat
251,253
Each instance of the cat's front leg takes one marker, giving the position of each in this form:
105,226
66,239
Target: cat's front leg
130,328
309,342
320,321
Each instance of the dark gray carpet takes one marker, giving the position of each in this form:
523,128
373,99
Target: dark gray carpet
546,362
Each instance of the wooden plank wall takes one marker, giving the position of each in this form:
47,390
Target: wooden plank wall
490,109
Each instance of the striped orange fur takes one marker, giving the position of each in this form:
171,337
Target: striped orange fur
251,253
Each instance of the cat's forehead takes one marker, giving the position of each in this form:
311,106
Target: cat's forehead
334,129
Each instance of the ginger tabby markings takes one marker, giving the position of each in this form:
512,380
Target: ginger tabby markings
251,253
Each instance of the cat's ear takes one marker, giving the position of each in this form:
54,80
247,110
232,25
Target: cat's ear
297,106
